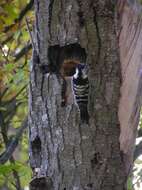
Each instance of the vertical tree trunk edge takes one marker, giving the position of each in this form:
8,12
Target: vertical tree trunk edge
65,154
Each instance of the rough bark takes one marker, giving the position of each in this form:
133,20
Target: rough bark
65,154
130,37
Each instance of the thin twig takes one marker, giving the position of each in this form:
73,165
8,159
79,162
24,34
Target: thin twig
23,51
31,37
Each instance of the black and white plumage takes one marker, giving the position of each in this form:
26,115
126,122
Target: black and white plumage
81,90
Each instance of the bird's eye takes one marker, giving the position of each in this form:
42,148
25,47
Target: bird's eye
81,66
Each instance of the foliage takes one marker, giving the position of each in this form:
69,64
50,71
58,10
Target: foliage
129,184
13,88
14,59
6,171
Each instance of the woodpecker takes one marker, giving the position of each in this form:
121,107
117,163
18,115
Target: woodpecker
81,90
67,70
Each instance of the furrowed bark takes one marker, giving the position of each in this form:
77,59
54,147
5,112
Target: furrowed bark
130,37
65,154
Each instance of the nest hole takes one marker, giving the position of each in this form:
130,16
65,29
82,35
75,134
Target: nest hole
64,59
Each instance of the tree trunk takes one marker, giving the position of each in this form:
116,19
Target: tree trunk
130,37
66,154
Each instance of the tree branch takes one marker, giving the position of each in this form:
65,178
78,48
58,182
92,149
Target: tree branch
23,52
21,15
25,10
18,93
11,159
7,39
5,156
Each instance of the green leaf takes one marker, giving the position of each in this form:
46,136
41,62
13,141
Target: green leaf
129,184
11,11
8,168
9,67
17,35
25,174
19,76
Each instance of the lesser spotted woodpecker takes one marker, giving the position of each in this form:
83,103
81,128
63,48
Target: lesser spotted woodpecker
81,90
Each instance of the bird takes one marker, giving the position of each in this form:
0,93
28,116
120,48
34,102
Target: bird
81,90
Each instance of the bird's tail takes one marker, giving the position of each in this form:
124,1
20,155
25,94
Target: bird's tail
84,113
